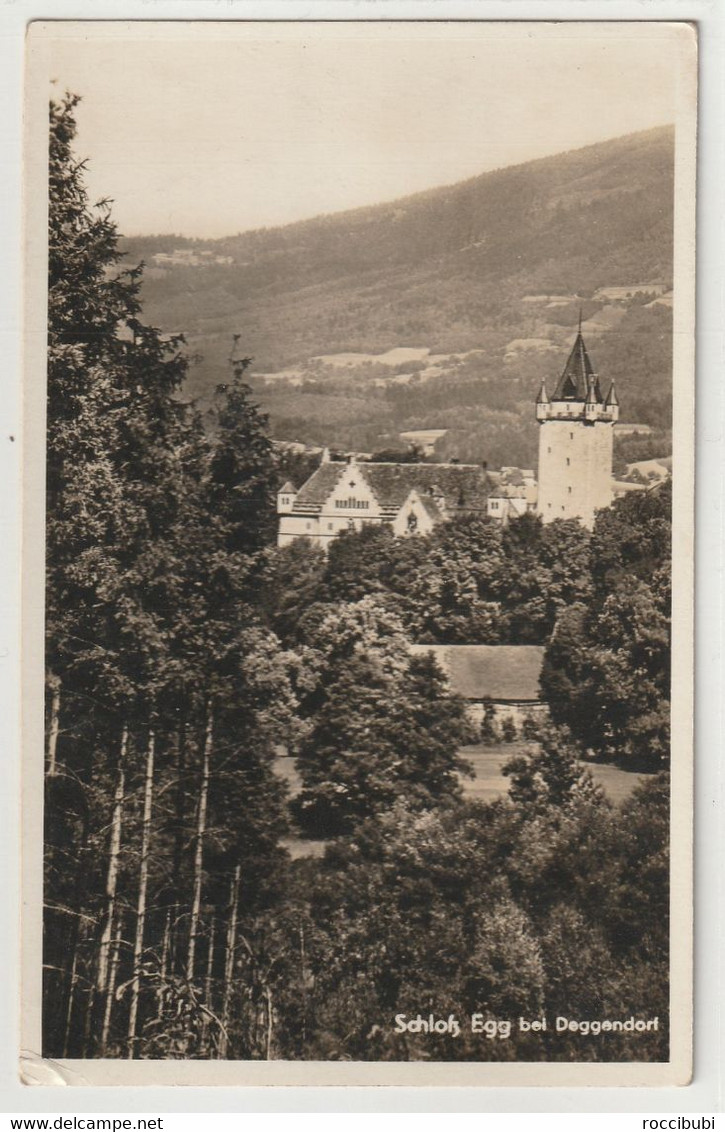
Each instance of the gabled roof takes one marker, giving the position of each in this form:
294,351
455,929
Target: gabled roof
510,491
574,382
287,488
430,505
431,508
502,673
462,487
316,489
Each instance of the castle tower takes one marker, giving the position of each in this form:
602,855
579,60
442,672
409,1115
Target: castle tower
575,442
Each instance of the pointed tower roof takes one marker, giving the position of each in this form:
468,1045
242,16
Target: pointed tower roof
543,398
574,382
612,398
591,391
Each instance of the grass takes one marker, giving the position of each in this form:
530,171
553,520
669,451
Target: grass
487,784
490,783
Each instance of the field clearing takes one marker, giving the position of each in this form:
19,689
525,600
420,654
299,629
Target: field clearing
488,784
399,355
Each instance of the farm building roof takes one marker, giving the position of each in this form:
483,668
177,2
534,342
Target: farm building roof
502,673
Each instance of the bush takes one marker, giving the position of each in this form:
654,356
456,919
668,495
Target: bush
508,730
530,728
489,730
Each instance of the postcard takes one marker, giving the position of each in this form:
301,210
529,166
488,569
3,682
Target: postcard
359,397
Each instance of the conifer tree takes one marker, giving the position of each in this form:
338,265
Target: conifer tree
165,702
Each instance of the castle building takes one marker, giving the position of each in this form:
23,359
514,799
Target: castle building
575,475
513,492
412,498
575,442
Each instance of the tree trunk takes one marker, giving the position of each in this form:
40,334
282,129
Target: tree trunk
229,959
208,986
199,851
303,988
89,1020
113,862
180,804
70,1002
111,986
210,966
270,1023
142,887
165,949
54,724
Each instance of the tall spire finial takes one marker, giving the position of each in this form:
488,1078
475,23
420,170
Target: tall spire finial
580,319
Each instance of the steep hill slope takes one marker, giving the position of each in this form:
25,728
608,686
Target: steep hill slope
492,271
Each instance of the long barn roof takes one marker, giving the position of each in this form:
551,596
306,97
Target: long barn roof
502,673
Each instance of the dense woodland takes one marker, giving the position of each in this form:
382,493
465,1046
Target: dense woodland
185,651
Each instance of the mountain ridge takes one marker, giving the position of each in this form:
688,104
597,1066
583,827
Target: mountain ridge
131,241
464,269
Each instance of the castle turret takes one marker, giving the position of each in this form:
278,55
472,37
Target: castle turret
542,402
286,498
575,442
612,401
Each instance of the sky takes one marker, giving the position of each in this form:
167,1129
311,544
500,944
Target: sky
209,130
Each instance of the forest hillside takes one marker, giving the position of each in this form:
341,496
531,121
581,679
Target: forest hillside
442,310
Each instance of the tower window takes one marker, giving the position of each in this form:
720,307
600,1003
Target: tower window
568,461
571,435
549,449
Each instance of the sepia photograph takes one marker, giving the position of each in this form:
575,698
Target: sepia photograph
362,381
